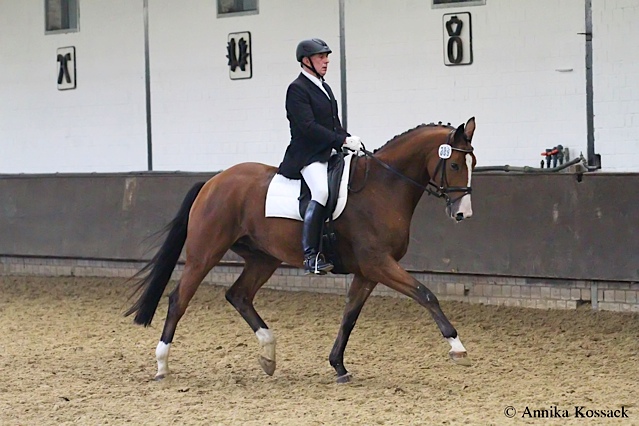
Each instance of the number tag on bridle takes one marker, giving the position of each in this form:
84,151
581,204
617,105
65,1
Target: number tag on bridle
445,151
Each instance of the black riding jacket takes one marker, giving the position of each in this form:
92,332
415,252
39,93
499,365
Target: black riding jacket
315,126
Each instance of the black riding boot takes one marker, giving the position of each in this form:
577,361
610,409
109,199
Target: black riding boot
314,261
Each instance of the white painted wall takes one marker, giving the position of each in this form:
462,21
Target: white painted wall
616,83
98,127
203,120
396,79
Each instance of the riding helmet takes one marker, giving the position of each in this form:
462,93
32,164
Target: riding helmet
311,47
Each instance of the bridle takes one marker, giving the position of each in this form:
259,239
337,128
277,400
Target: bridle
441,190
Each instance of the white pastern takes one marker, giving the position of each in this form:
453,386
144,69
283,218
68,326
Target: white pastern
266,339
456,345
162,356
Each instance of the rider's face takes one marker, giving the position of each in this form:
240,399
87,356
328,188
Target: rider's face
320,62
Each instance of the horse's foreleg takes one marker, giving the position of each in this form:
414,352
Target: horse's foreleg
258,268
179,299
395,277
358,293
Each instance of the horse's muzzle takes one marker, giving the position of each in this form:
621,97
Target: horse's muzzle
461,209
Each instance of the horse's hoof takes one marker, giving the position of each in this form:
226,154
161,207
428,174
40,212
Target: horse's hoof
460,358
267,365
159,377
346,378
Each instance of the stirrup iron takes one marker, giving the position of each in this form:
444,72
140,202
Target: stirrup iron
316,264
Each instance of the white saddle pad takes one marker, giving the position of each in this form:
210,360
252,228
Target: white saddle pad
282,194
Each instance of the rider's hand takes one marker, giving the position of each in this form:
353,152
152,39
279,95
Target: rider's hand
354,143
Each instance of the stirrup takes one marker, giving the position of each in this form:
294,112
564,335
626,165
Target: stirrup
316,264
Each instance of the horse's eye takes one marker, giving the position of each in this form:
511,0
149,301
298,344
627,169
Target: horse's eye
454,166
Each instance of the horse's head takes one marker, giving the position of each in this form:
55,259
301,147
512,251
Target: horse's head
451,171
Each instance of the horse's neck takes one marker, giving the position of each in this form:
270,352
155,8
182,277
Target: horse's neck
407,157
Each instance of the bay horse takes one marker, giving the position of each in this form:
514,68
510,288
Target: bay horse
227,213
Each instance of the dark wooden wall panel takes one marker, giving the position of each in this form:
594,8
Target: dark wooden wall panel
547,225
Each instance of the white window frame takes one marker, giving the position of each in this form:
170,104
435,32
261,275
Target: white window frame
460,3
256,11
74,29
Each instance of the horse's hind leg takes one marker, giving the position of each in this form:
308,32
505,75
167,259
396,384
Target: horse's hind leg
258,268
394,276
195,269
358,293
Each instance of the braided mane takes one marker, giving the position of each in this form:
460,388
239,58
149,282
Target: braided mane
439,124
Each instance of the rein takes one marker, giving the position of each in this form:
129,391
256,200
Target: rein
440,191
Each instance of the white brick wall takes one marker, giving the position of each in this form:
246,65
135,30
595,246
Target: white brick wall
202,119
397,77
615,69
395,71
100,126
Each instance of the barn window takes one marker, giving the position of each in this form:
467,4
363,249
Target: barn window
60,16
236,7
457,3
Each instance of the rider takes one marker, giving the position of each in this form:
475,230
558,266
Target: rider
311,110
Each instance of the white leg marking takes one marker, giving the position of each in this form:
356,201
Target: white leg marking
266,340
162,356
456,345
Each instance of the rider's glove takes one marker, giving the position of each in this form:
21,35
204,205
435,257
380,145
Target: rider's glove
354,143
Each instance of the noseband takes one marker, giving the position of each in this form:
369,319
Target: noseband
441,190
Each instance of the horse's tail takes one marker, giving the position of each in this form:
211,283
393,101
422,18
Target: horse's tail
161,266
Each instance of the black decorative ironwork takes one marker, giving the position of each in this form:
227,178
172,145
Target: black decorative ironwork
455,46
64,68
458,39
237,59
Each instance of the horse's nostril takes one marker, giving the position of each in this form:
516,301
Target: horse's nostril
459,217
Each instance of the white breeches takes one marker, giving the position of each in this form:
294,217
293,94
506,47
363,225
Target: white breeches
316,177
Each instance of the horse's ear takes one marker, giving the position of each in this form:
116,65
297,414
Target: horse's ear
470,129
459,133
